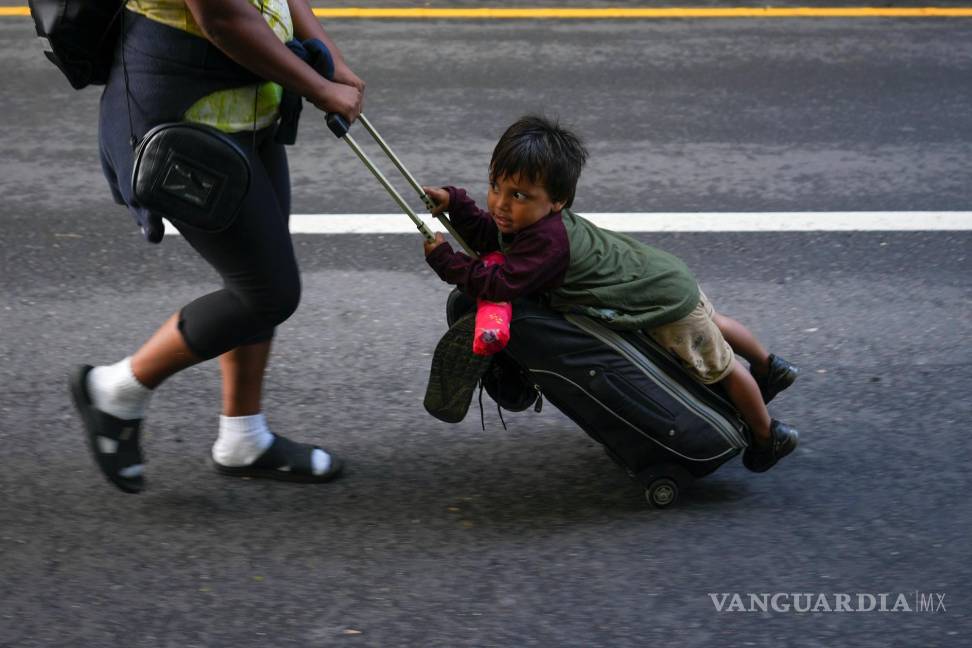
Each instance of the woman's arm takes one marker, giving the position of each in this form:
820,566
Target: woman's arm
306,25
237,28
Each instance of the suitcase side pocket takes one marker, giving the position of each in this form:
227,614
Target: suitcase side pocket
629,402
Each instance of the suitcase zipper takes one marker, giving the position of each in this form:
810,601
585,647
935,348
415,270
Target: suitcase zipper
538,404
626,349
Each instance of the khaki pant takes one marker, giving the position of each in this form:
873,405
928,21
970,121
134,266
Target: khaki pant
698,343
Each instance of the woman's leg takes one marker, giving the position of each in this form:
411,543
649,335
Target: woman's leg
164,354
245,445
243,370
243,431
243,367
256,260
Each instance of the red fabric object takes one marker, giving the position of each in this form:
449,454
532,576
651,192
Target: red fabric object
492,318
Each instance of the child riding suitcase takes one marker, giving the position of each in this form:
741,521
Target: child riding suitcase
664,426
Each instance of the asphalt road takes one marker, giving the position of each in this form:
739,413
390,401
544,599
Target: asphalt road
446,535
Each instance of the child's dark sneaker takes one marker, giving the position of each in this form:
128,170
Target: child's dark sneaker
780,375
783,440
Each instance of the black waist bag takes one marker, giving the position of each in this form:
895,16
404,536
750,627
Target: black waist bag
191,174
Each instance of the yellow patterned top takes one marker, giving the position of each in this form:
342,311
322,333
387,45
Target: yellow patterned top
228,110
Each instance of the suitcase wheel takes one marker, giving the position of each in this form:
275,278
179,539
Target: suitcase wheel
661,493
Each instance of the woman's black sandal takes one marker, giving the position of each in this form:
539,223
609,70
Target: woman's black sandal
285,460
113,441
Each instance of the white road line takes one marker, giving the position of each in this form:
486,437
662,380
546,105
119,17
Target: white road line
670,222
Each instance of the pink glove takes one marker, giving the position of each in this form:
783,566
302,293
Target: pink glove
492,319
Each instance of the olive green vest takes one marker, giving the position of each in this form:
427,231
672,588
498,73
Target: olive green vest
621,281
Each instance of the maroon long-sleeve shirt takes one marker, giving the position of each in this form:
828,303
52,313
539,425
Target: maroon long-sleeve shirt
580,267
537,257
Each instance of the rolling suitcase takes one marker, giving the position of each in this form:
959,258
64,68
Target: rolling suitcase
664,428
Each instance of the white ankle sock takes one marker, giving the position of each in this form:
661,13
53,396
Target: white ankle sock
242,439
320,461
115,390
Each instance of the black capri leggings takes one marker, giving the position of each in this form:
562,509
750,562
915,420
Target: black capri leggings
254,256
157,73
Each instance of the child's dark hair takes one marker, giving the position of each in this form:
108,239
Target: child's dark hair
541,152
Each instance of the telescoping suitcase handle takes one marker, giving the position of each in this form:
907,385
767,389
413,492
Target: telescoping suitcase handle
340,127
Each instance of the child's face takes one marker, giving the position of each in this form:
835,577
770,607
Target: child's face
515,203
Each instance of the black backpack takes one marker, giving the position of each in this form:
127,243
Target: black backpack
81,36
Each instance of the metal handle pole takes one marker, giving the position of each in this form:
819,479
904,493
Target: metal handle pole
398,163
443,217
419,223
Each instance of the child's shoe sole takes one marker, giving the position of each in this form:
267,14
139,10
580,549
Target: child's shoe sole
455,372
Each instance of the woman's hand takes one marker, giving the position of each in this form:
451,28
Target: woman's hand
339,98
440,197
343,74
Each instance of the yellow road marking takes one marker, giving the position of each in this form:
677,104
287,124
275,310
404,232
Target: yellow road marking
485,13
647,13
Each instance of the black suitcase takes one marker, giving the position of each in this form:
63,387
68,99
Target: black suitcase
664,428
